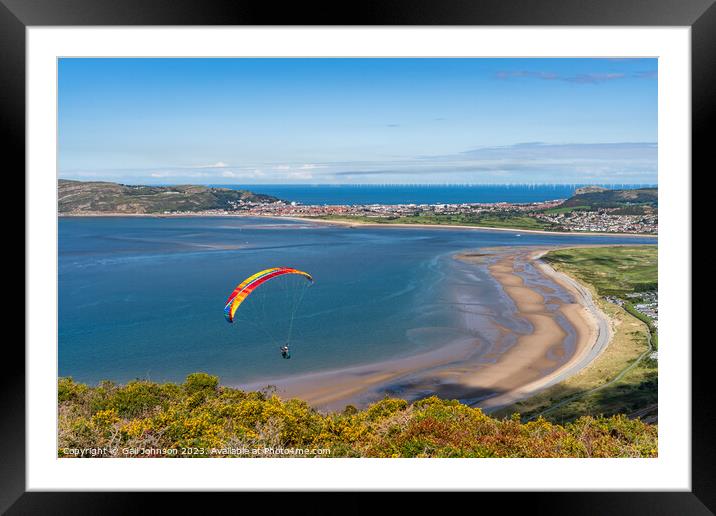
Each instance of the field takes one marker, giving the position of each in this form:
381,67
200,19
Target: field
624,379
612,271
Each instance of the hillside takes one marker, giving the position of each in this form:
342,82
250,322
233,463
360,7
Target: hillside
76,197
589,189
594,199
199,418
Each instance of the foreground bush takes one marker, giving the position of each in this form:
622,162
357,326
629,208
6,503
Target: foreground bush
202,419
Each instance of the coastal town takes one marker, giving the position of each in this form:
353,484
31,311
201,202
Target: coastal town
592,209
604,220
645,302
361,257
548,214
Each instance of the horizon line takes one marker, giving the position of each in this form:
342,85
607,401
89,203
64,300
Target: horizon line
152,183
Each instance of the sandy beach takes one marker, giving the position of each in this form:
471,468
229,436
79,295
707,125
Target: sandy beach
520,371
351,223
537,358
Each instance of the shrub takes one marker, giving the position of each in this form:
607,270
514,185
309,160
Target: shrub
201,382
385,408
199,413
135,398
68,390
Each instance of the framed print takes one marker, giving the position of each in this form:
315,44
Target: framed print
418,252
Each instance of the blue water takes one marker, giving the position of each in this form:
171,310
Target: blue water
144,297
416,194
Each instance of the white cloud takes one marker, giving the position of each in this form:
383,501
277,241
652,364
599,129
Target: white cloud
529,162
218,164
247,174
524,162
177,174
305,166
299,175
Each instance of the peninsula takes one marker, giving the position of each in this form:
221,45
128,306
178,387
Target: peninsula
589,210
101,197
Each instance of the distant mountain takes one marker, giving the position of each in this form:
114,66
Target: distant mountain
589,189
594,199
99,196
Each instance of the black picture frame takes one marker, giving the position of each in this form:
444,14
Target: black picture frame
17,15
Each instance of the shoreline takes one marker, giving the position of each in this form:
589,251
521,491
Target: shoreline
590,323
536,361
349,223
458,226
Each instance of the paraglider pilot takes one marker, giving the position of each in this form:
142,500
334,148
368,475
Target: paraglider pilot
247,286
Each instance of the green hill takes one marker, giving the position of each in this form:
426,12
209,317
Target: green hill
594,199
200,418
78,197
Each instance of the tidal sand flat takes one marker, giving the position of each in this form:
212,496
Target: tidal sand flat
392,311
543,356
485,372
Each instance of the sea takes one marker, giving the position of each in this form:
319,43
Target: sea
419,194
143,297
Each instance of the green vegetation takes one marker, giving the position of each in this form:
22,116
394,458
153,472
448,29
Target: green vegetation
629,307
199,418
623,379
565,209
612,271
509,220
614,198
99,196
632,210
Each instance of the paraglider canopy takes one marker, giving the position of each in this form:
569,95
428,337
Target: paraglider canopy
246,287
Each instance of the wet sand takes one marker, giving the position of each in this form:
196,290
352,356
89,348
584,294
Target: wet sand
522,370
480,373
359,385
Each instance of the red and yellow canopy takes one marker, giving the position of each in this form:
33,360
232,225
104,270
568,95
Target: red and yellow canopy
249,285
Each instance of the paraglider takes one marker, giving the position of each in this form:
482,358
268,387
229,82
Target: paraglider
247,286
239,304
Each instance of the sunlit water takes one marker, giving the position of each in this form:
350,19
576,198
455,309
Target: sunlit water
417,194
144,297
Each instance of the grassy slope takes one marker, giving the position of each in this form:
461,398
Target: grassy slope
98,196
608,271
615,198
198,415
615,271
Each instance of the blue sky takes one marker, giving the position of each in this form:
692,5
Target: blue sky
258,121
